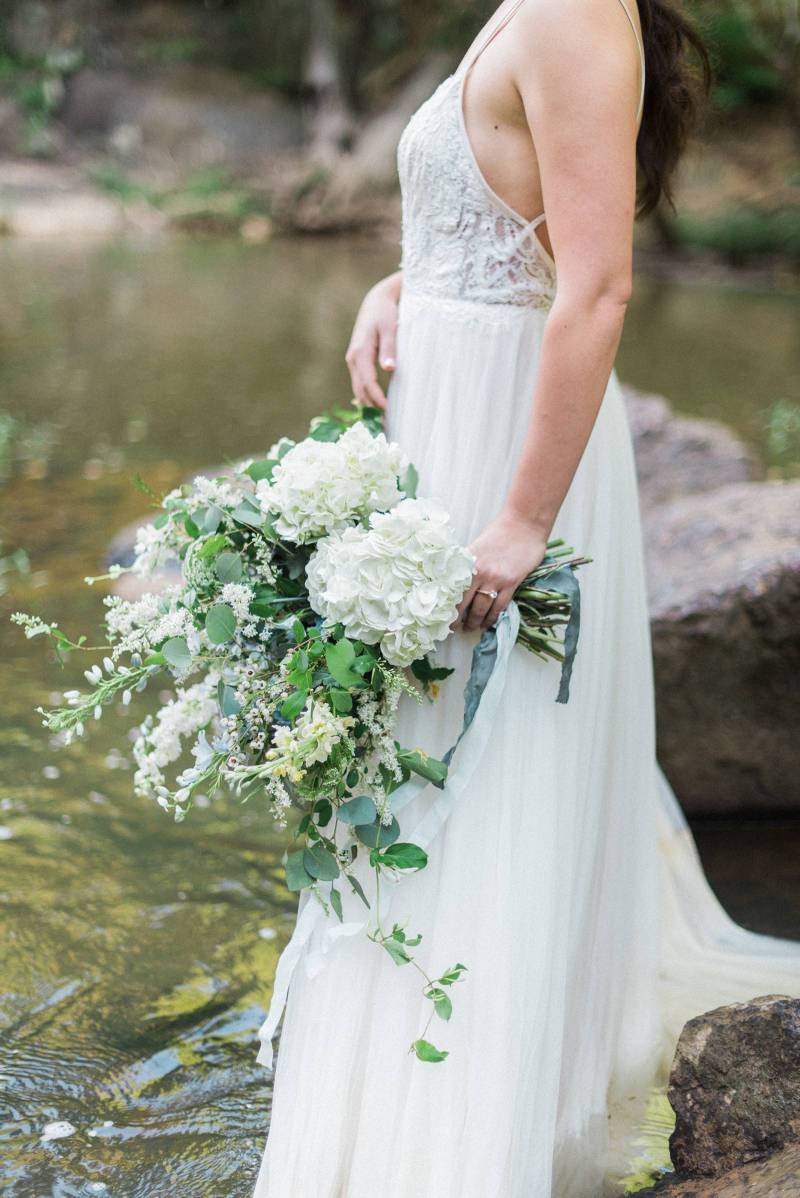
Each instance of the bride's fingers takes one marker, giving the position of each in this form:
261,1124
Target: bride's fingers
386,348
463,606
496,610
478,610
363,376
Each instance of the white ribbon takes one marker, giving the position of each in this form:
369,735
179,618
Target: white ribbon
471,745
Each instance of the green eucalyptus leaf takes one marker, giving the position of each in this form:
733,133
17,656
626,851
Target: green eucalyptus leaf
229,567
321,863
377,835
360,810
176,653
297,876
220,623
212,545
336,903
228,703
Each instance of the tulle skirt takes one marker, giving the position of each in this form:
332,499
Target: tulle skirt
565,880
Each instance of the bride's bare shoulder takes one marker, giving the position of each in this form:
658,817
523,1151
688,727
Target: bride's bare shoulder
577,40
549,26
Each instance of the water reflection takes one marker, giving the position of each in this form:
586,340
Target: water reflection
138,956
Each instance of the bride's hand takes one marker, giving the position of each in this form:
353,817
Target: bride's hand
505,553
373,339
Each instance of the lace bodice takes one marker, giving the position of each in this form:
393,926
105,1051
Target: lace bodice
460,240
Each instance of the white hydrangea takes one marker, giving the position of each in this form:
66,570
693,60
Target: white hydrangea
320,487
396,583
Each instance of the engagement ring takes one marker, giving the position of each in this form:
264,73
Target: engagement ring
491,594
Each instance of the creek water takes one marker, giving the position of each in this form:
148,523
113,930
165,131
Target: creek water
137,955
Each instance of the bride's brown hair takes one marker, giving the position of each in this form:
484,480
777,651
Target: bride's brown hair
674,88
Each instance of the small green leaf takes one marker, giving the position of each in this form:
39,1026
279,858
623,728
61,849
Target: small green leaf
452,975
176,652
212,545
321,863
261,469
212,518
336,903
378,835
428,1052
291,707
245,514
298,631
426,672
220,623
409,482
420,763
228,703
341,701
191,528
360,810
229,567
339,658
442,1003
396,952
357,888
297,876
405,856
323,810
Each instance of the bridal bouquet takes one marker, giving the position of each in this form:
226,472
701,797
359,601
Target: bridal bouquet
314,587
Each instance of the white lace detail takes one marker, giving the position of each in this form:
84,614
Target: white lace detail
458,239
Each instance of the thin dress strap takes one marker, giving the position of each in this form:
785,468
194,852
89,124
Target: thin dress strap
640,46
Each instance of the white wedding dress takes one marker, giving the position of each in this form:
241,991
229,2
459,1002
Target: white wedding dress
566,878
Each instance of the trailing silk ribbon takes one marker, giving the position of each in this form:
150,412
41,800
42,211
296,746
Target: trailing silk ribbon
482,696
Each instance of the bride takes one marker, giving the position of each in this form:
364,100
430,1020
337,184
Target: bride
521,177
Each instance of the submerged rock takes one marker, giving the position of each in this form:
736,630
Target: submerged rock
777,1177
724,593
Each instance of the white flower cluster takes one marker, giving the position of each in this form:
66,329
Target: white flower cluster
137,625
161,741
396,583
310,739
320,487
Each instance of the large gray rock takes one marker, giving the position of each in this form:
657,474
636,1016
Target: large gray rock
735,1090
682,455
724,586
735,1085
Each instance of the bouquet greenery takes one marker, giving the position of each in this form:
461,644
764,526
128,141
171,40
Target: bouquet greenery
314,587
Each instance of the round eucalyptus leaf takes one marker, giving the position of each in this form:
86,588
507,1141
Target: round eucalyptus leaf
378,835
220,623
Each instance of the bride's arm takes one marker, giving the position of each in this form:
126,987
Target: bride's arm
373,338
576,69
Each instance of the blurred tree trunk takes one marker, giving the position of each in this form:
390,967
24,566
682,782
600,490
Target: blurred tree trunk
331,116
